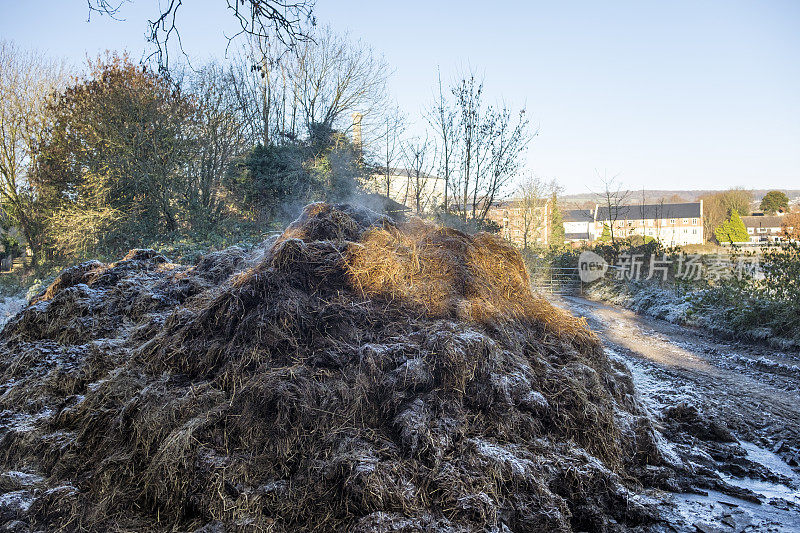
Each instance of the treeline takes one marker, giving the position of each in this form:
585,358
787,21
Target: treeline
722,214
122,155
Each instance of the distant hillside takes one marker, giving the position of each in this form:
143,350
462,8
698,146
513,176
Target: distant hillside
652,196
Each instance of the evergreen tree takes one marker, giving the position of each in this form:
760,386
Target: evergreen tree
732,230
606,235
556,223
773,202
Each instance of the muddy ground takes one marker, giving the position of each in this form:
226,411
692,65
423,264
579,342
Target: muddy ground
728,407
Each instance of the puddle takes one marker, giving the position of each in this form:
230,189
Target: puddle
772,461
718,509
767,489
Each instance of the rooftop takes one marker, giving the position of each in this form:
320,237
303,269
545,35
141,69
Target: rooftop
648,211
763,221
578,215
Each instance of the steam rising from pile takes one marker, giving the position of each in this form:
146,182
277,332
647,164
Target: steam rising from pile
352,374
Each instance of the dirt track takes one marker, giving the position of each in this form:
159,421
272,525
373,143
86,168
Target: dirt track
752,391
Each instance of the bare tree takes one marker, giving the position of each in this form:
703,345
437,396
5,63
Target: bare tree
420,160
612,197
262,83
263,21
468,94
26,82
219,134
489,144
532,193
659,218
508,139
442,118
335,77
388,146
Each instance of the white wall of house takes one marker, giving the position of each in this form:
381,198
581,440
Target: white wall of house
577,227
669,231
678,231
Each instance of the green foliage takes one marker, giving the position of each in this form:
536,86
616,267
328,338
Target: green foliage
489,226
113,168
717,207
556,223
773,202
131,158
274,181
11,245
636,240
268,178
764,305
336,167
732,230
606,235
781,268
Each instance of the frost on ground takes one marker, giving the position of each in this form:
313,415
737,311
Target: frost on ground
354,374
10,306
681,305
728,412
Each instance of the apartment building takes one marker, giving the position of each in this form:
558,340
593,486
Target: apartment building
523,222
672,224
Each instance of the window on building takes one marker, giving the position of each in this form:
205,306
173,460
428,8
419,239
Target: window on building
685,220
672,221
694,231
762,230
694,221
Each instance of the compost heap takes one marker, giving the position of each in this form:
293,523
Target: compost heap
352,374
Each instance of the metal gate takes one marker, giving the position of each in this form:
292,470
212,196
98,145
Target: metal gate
556,280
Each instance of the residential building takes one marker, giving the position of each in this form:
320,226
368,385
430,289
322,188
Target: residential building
764,228
672,224
523,222
579,225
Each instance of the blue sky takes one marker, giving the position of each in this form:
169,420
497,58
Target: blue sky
666,95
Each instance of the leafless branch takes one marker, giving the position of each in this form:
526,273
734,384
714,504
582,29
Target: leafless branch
261,20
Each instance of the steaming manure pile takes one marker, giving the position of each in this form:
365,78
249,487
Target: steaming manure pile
354,374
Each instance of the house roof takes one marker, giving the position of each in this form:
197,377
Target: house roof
578,215
763,221
647,211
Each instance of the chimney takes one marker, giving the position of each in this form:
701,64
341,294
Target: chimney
357,131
